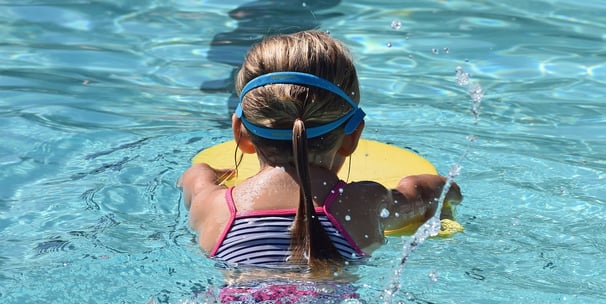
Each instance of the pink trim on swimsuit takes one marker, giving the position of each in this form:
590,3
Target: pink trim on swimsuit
232,217
330,199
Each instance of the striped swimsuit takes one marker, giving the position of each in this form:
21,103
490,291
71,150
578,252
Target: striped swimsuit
262,237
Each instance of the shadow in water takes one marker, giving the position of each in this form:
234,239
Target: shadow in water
257,20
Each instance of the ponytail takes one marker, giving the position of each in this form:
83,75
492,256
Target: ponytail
310,244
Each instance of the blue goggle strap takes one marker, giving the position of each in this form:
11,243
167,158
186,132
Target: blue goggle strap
355,115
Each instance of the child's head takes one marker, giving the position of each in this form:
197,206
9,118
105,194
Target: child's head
299,98
277,106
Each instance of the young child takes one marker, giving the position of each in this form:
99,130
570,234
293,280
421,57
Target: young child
299,112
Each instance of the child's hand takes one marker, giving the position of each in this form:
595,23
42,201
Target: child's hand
427,188
222,175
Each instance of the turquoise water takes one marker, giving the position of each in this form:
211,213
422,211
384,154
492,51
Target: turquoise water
100,112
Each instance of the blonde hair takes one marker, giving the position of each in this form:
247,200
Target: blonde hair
291,106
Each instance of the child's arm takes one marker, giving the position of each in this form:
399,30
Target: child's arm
200,180
415,201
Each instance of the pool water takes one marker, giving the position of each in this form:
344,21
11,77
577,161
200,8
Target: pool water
101,111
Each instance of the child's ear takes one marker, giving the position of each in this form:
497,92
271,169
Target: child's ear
241,136
350,142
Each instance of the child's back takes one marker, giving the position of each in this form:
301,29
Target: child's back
299,112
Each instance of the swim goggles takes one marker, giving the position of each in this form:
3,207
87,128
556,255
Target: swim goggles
353,118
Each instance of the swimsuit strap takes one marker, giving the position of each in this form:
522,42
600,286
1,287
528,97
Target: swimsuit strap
330,199
232,216
336,190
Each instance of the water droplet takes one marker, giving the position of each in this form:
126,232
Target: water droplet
435,51
388,44
340,190
446,50
476,92
347,218
433,275
304,4
324,183
461,77
366,236
396,214
396,24
515,222
395,202
384,213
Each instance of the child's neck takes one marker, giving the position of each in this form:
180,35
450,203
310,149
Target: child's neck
282,181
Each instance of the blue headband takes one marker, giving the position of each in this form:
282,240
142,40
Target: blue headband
353,118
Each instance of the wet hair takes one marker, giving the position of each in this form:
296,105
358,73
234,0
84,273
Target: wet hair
285,106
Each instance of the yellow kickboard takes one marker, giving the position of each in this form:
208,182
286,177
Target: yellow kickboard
372,161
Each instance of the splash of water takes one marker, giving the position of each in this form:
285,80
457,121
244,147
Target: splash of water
474,90
432,226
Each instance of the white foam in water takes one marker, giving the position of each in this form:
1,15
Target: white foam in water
432,226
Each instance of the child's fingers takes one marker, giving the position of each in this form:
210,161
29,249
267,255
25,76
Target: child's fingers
224,175
454,196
